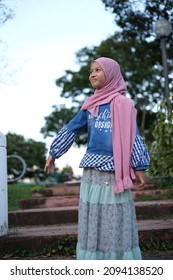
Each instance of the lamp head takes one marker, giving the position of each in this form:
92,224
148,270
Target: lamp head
162,28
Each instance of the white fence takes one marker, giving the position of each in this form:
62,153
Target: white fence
3,186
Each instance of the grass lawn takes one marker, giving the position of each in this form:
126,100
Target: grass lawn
19,191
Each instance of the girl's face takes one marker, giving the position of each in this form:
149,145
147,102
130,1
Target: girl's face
97,75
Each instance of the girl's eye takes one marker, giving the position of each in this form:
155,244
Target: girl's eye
95,70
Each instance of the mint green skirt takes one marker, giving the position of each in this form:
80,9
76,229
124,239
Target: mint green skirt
107,225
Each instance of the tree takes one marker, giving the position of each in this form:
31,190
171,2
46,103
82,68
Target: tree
136,17
33,152
6,13
136,49
68,170
162,146
61,115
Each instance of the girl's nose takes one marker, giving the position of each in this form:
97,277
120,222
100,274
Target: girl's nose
93,74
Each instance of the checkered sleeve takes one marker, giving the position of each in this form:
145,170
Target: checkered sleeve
140,158
62,143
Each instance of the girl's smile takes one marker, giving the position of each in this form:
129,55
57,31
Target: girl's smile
97,75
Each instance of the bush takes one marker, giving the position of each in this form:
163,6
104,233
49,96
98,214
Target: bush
162,147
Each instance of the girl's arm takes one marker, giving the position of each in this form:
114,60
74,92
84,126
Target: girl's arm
64,140
140,160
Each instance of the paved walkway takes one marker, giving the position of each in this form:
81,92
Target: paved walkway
149,255
52,230
39,237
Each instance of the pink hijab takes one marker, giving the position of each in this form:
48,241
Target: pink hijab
123,116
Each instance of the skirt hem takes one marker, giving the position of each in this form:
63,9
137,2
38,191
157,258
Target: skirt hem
133,254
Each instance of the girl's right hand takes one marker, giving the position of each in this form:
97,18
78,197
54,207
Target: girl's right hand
49,165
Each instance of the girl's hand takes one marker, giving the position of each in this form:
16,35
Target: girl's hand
49,165
141,179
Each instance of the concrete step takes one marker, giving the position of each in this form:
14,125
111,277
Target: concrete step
154,193
57,191
69,214
149,185
74,188
70,197
156,208
49,202
37,238
43,216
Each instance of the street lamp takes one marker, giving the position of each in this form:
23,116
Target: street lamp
162,29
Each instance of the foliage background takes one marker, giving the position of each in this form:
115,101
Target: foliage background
135,47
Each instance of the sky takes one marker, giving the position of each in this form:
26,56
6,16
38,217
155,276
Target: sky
36,47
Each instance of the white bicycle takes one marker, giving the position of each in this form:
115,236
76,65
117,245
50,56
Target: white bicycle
16,168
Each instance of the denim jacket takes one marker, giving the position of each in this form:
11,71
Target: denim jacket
99,140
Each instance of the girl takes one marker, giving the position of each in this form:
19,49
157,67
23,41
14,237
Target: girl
116,155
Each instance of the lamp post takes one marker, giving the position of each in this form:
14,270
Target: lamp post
162,29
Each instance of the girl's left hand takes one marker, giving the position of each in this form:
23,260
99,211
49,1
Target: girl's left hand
141,179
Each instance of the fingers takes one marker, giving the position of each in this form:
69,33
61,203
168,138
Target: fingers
49,165
138,186
141,185
141,180
47,168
